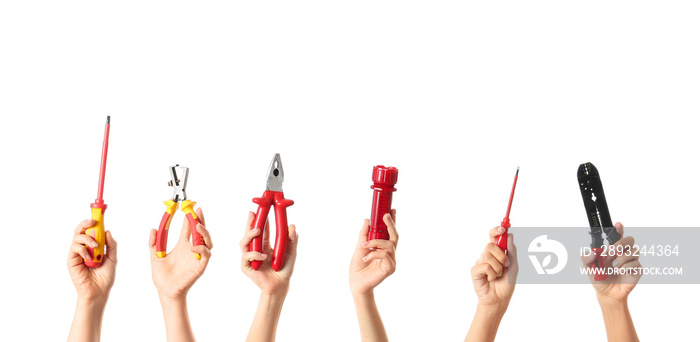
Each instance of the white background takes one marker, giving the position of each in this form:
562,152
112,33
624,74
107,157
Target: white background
455,94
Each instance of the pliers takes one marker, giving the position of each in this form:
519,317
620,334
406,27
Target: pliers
179,195
273,195
598,214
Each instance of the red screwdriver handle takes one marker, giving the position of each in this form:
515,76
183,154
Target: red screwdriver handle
502,241
264,203
282,236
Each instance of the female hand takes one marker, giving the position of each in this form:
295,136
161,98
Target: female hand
91,283
374,260
617,286
175,274
269,281
492,273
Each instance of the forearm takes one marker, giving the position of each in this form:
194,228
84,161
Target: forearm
264,326
485,324
87,321
371,326
618,320
177,320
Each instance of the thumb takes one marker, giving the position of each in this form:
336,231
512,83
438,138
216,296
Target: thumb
292,249
512,252
186,230
588,260
152,243
111,247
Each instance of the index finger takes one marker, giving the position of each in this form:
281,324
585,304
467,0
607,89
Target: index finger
620,229
364,231
82,226
495,232
200,214
391,227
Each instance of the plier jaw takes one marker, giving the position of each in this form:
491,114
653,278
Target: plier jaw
275,176
273,196
178,183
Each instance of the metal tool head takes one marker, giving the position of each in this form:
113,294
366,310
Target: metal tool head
275,176
596,205
178,182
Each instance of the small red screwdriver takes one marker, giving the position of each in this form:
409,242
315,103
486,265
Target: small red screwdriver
502,241
98,210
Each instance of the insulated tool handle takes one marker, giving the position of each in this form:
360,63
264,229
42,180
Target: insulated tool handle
193,220
599,264
282,234
264,203
97,232
502,241
384,179
162,235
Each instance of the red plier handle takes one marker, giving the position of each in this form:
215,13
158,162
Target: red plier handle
264,203
192,219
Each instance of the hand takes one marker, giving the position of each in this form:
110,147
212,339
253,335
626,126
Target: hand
91,283
492,272
175,274
617,286
375,260
269,281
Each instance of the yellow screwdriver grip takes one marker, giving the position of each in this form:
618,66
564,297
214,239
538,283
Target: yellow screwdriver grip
97,232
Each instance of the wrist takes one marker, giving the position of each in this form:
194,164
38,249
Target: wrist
491,311
172,300
271,303
363,294
273,297
607,302
276,293
92,302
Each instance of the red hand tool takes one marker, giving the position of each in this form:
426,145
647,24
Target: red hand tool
502,241
384,179
98,208
179,195
273,195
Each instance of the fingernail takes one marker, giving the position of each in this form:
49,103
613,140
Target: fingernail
255,230
264,256
364,259
507,263
365,244
93,244
501,229
615,263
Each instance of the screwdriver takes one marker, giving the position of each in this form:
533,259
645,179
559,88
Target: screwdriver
502,241
98,208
